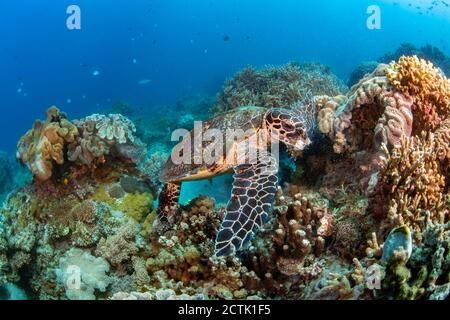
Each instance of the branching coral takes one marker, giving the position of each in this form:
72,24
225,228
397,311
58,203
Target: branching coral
426,84
288,253
411,184
277,86
183,255
43,146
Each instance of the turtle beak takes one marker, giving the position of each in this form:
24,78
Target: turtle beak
302,144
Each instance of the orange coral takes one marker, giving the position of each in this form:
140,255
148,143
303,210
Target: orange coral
427,84
43,146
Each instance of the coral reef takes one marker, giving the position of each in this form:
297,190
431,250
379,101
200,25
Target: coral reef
426,52
427,85
363,214
277,86
411,184
289,251
92,272
361,71
89,142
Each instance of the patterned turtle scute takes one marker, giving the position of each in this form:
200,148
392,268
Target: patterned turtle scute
252,197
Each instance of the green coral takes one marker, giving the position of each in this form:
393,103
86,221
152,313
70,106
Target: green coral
134,205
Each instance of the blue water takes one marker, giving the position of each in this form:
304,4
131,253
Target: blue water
177,47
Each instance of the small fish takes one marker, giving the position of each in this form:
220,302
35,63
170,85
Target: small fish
69,100
226,38
144,82
96,73
154,42
134,61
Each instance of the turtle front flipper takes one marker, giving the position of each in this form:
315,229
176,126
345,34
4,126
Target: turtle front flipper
168,200
253,194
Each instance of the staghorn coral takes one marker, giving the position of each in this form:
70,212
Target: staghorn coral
277,86
426,84
43,146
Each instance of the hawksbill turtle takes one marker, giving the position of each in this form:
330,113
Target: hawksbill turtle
255,182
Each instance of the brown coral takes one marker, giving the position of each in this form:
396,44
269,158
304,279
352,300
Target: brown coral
411,185
43,146
292,245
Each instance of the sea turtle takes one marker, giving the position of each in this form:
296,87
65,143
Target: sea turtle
255,178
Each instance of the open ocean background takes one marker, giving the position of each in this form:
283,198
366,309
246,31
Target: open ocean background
150,52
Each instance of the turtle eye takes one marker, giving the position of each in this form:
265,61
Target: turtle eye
288,127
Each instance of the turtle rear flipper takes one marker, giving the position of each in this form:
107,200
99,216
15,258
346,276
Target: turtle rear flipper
168,200
253,194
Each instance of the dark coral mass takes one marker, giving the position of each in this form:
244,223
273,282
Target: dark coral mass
208,150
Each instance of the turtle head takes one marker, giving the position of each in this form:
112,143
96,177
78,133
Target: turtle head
287,127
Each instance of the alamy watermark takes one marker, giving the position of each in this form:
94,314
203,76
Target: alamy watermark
374,276
73,21
73,277
374,19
